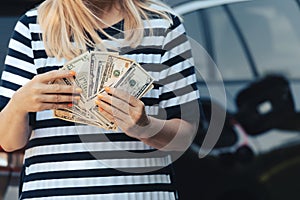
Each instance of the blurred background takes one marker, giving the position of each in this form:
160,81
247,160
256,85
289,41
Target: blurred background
251,50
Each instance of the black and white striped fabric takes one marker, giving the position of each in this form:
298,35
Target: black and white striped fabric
64,160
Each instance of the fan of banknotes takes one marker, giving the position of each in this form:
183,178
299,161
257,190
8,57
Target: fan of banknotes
94,71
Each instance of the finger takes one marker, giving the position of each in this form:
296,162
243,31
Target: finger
59,98
50,106
114,102
104,106
106,115
58,88
55,74
123,95
114,112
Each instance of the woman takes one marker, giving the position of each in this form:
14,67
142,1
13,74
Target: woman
64,161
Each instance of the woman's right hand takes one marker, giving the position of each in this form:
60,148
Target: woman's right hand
38,94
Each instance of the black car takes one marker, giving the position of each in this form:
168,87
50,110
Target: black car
246,53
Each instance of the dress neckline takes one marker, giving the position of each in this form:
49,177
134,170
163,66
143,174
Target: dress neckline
118,25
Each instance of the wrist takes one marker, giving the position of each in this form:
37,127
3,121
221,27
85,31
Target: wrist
153,127
15,108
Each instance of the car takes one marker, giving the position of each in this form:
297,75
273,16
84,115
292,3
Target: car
247,40
240,47
246,53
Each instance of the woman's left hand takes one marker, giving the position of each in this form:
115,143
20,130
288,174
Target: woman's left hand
125,110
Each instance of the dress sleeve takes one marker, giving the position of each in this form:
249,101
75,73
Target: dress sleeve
19,65
179,94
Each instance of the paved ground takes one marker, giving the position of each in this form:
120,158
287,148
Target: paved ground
11,194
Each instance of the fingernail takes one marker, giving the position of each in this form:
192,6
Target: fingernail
70,105
79,90
97,102
71,72
77,98
100,96
107,89
100,109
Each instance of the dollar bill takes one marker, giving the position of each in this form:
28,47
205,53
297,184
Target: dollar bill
81,66
95,70
136,81
115,67
99,62
70,116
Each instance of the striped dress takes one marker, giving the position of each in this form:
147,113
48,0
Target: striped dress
64,160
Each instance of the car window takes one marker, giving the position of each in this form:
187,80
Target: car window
226,50
272,31
194,26
193,23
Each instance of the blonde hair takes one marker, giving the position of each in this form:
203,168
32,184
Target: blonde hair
70,26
